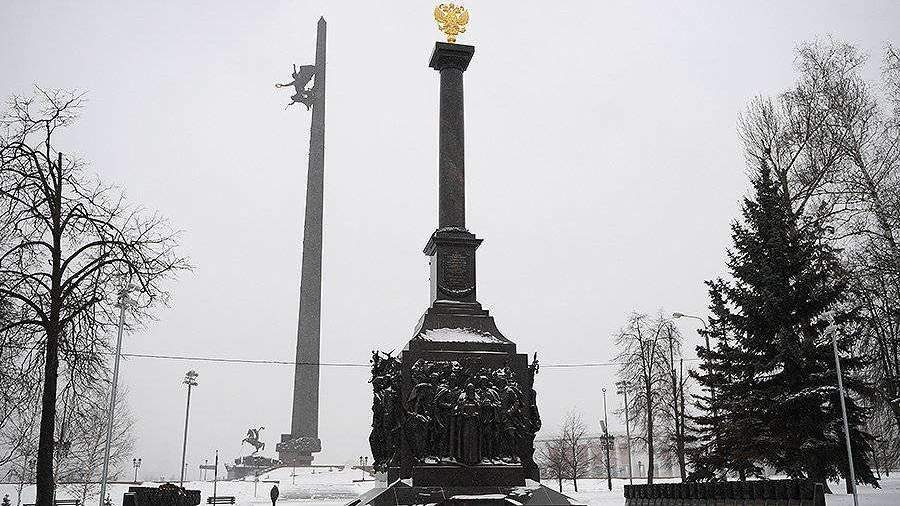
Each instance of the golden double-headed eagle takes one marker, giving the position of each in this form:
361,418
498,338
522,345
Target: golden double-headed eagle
451,20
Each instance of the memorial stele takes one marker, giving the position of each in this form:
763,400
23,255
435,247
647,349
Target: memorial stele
454,414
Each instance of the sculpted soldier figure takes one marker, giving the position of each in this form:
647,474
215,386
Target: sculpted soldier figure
385,409
514,418
420,417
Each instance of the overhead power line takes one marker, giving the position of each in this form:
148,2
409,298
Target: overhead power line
239,360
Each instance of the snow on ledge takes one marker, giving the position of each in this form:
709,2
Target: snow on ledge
458,335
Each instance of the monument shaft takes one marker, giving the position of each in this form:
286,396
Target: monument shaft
451,142
297,447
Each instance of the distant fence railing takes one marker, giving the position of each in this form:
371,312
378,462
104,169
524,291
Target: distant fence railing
730,493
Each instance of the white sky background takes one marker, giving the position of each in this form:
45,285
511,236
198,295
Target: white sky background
603,170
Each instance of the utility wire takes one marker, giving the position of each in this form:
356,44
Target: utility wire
241,360
227,360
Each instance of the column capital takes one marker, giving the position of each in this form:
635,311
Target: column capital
447,55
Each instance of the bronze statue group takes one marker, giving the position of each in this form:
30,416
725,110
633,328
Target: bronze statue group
455,412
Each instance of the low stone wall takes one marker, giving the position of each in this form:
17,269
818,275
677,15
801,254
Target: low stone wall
732,493
165,495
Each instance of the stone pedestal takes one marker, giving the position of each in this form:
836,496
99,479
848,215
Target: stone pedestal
403,493
250,465
297,451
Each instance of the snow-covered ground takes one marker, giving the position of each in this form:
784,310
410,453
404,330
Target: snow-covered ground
337,485
317,486
596,493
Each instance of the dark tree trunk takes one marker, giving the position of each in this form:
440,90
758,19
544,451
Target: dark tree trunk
575,461
44,471
46,488
818,476
649,437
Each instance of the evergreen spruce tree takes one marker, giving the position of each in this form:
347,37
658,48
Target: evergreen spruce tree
772,371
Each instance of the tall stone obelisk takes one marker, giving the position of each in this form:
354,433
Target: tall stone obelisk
296,448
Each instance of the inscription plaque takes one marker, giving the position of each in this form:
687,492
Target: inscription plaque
456,270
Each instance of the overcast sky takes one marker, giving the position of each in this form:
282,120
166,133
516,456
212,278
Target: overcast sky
603,169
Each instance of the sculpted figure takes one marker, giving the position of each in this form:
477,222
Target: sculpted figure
253,440
466,443
386,417
514,419
531,468
302,77
420,415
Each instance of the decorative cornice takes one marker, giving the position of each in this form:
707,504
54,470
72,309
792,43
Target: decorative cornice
447,55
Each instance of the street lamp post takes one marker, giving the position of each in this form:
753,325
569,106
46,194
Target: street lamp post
215,473
136,463
712,389
607,442
832,329
676,315
104,477
190,379
624,392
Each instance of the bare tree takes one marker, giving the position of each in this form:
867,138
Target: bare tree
891,73
886,445
673,422
861,192
19,400
575,448
79,470
643,374
70,245
789,134
21,467
551,458
835,151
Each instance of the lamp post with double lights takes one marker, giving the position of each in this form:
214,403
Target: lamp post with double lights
712,389
122,304
623,390
607,442
190,379
677,315
833,330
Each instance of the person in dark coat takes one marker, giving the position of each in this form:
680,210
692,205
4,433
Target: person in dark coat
274,494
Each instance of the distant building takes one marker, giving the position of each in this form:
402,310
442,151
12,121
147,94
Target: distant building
618,458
